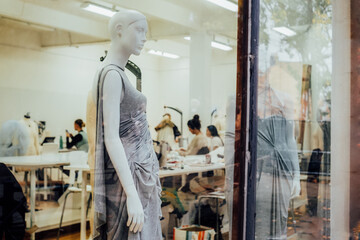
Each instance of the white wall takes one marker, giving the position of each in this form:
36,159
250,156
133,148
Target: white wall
53,83
174,84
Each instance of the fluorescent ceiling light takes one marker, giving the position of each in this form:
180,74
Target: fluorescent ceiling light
91,7
221,46
214,44
286,31
163,54
225,4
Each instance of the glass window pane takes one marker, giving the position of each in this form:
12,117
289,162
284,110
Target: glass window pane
294,109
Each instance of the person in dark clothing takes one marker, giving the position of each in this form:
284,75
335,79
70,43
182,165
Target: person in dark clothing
312,185
12,206
80,141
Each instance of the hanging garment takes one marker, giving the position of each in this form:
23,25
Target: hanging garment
110,199
14,139
277,164
166,134
32,127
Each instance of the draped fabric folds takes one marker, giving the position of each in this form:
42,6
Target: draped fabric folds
109,196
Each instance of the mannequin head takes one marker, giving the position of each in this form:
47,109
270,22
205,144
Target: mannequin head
128,30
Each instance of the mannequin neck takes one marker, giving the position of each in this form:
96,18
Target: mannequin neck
117,55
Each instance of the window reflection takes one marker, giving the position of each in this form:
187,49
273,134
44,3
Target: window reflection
294,108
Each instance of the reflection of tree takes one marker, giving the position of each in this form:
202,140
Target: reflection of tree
311,20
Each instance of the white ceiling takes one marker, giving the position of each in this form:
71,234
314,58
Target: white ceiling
64,22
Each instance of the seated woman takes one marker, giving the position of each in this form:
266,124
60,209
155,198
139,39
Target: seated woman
214,139
199,144
80,141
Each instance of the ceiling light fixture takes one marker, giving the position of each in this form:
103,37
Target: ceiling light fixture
285,31
163,54
225,4
214,44
92,7
221,46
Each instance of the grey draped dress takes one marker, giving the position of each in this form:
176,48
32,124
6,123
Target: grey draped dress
277,164
109,196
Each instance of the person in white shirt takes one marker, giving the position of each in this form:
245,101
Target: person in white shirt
215,140
199,144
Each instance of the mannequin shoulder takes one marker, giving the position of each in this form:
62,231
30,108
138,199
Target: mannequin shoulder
112,82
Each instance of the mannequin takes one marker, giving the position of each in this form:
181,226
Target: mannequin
278,172
127,186
32,127
91,132
165,131
14,139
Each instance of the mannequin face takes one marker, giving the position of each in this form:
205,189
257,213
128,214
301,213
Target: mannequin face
133,37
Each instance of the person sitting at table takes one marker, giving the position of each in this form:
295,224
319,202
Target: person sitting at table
199,144
80,141
214,139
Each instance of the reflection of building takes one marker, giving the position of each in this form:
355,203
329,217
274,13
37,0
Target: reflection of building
286,77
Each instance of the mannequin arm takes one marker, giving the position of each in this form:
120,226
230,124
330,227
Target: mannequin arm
111,102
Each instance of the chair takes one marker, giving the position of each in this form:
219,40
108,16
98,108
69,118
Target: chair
48,150
74,184
217,196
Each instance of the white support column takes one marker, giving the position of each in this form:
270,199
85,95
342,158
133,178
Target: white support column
340,121
200,73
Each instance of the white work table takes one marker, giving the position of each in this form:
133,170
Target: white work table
193,164
33,163
188,169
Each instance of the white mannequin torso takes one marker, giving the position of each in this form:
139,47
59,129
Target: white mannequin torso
128,32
